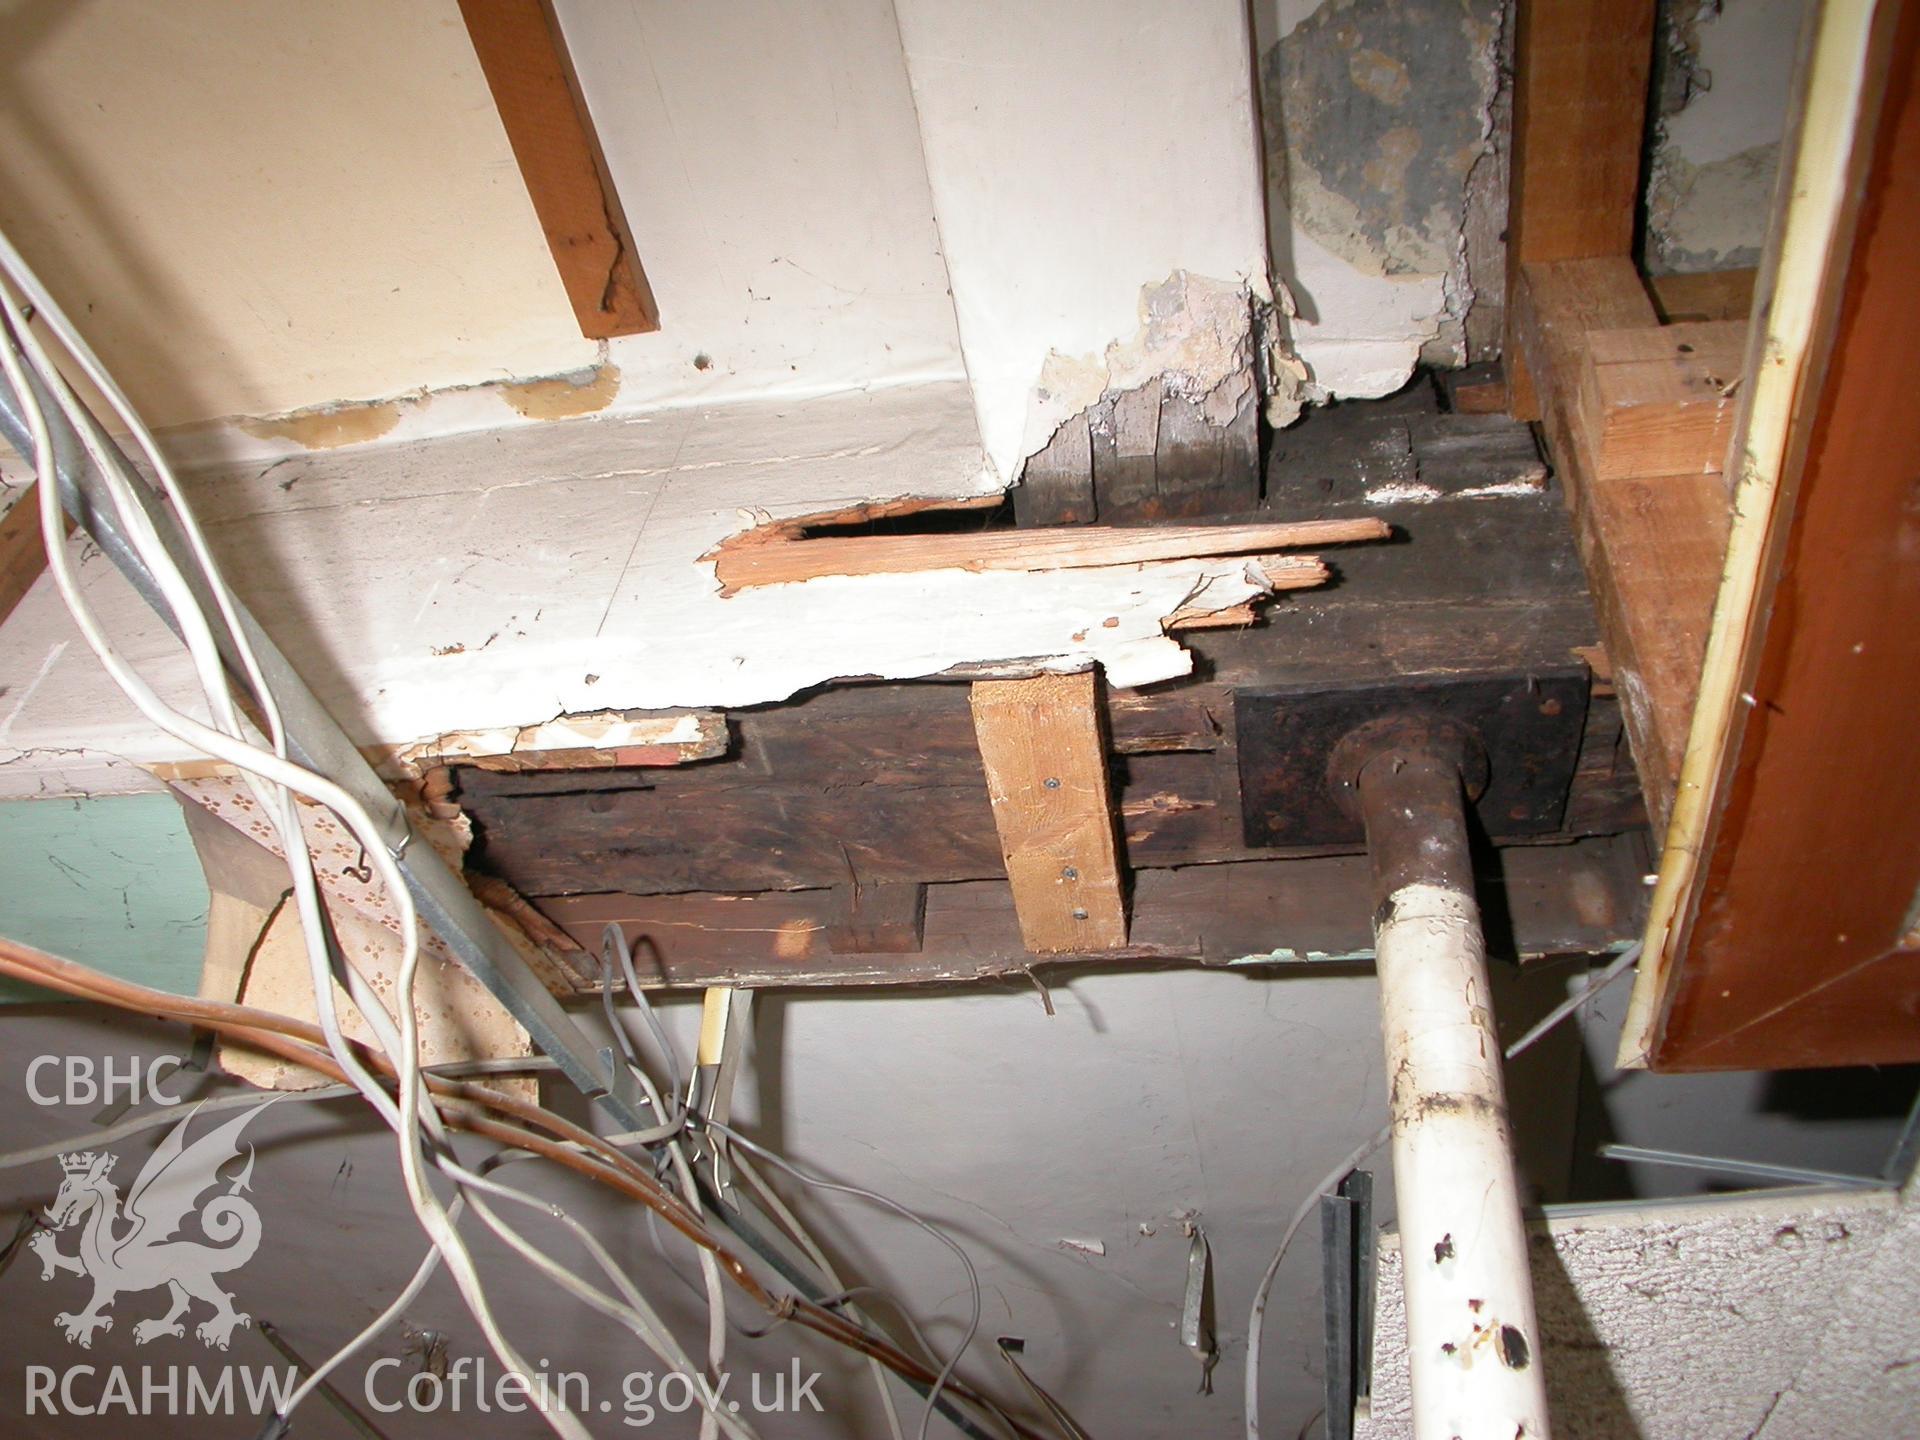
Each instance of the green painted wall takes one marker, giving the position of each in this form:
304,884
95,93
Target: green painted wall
113,882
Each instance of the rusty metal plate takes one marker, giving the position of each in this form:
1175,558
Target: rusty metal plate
1530,726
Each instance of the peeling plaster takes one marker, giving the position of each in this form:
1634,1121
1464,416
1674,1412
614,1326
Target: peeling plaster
1197,337
326,427
1075,153
1711,217
1723,69
1364,333
564,578
581,393
1382,114
1378,116
417,414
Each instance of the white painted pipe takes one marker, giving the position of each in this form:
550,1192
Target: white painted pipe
1472,1337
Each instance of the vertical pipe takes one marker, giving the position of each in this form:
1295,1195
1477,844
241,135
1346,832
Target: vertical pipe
1472,1338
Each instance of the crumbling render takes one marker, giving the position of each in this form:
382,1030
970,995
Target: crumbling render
1715,149
573,585
1196,340
1166,424
1379,120
359,422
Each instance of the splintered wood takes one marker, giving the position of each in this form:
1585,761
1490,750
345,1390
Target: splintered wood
1046,771
775,555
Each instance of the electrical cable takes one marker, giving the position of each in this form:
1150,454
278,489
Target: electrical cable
814,1252
564,1143
265,770
1613,970
683,1173
819,1182
214,1104
1256,1317
274,780
636,1314
614,938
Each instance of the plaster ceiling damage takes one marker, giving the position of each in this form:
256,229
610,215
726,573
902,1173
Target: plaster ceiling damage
1198,339
1377,115
1721,70
916,262
543,598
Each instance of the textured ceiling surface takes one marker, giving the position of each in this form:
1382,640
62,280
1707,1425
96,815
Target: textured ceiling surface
1786,1315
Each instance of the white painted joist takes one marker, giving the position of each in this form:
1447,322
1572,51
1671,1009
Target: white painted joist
502,579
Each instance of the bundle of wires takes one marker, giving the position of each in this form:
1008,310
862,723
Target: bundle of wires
243,728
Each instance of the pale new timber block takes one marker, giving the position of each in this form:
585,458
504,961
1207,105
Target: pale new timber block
1661,401
1046,767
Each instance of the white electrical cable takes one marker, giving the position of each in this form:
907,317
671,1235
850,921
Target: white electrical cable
709,1264
821,1183
1256,1318
271,767
791,1223
275,779
612,939
613,942
635,1313
1613,970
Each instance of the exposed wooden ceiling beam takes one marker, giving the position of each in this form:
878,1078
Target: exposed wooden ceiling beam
524,57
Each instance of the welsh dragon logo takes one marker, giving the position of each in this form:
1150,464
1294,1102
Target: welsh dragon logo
136,1249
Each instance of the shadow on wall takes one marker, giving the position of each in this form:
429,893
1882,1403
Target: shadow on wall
1580,1377
1846,1121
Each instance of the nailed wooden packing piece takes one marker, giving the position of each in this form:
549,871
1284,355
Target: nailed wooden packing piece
1653,541
1052,804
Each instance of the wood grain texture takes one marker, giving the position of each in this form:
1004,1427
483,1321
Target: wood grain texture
1573,899
22,555
1144,454
1579,117
1704,295
524,57
1488,397
889,775
877,918
1046,766
1661,401
1801,949
773,557
1056,485
1653,545
1579,111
